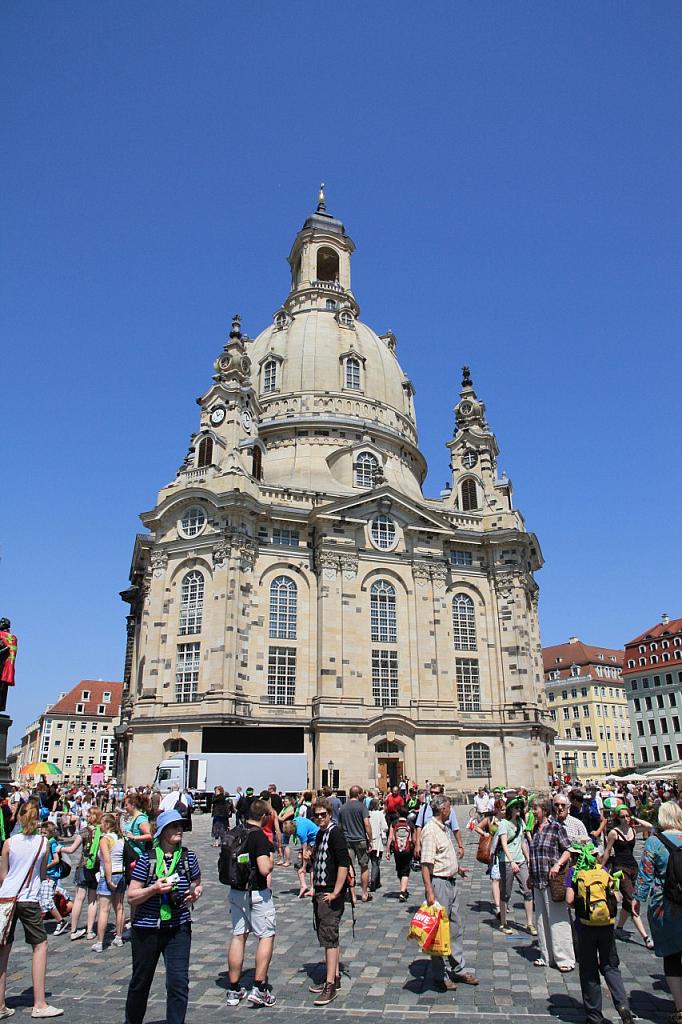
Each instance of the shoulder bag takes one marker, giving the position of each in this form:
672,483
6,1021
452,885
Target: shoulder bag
8,904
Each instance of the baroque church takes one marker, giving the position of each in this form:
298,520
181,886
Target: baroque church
295,580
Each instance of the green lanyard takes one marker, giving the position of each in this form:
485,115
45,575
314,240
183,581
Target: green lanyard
2,825
163,871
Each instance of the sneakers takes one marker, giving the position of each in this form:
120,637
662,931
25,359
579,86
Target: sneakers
532,930
117,941
45,1012
505,929
235,996
61,927
258,997
90,935
97,947
78,934
404,896
326,996
320,988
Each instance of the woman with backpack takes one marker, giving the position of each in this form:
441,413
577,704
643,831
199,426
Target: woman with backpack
662,853
85,880
400,843
619,855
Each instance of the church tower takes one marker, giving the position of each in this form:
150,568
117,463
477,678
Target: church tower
295,579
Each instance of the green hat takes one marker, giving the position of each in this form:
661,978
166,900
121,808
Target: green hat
516,801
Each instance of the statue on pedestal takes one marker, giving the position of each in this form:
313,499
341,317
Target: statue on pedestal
8,656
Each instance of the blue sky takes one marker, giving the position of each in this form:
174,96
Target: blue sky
511,176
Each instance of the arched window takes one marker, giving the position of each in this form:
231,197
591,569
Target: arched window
478,760
366,469
280,321
463,623
257,462
191,603
469,495
270,376
346,318
382,613
175,746
205,456
330,304
283,608
327,264
352,374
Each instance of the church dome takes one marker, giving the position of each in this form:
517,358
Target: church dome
322,368
318,360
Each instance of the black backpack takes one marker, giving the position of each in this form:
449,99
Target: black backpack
182,808
234,863
672,883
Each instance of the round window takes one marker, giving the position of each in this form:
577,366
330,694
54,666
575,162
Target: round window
383,532
193,521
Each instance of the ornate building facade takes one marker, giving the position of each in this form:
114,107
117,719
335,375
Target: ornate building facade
296,591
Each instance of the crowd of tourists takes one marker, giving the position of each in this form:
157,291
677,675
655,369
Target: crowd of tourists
570,856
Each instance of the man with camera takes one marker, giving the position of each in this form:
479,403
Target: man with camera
164,885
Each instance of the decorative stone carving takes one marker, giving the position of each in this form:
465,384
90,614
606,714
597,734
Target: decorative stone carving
328,563
220,554
349,566
437,572
159,563
421,572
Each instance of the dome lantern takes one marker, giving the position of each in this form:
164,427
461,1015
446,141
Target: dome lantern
320,260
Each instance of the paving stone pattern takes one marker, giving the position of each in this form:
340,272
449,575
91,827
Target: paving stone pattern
385,977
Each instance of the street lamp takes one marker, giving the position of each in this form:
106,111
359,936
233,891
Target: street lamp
330,773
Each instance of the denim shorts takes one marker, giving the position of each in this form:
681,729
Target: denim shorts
119,885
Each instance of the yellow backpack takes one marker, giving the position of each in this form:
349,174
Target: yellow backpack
595,901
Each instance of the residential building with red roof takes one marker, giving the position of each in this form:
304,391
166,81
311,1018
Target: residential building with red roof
588,706
653,680
76,732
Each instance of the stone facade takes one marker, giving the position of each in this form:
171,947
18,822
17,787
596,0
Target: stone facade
295,580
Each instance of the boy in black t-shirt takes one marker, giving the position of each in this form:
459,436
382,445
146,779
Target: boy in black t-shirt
330,875
253,911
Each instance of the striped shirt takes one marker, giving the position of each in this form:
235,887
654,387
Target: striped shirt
147,914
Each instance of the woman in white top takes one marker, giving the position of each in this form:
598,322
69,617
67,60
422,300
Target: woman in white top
22,868
112,884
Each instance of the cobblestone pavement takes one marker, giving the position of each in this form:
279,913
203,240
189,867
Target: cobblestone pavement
384,976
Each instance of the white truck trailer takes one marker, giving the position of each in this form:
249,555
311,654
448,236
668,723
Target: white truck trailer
203,772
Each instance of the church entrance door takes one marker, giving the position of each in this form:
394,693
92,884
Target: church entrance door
390,771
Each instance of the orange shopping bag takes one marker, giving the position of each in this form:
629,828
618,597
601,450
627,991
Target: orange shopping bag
424,925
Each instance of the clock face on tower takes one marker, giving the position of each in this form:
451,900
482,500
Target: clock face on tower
470,458
246,420
217,415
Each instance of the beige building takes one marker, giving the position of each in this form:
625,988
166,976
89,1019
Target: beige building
75,733
296,591
588,706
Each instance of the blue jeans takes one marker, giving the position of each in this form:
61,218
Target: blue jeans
148,945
